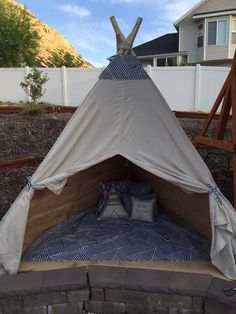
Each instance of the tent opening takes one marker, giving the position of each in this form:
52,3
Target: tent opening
81,193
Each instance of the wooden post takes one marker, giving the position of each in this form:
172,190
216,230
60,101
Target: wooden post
124,44
130,39
224,115
223,94
120,37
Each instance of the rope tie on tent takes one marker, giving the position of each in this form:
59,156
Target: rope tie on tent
215,191
30,184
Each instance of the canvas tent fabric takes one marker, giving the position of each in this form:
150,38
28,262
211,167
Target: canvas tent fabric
130,118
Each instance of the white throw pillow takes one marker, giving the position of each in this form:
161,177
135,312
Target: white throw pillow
142,209
114,207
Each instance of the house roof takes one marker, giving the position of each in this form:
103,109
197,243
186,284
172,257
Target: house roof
168,43
189,12
213,13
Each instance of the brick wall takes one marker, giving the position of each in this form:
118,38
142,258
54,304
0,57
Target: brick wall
108,290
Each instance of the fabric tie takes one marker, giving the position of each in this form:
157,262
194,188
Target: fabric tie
215,191
30,184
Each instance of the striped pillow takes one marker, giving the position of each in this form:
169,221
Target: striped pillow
113,208
105,187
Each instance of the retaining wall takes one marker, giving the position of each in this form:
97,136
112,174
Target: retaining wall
109,290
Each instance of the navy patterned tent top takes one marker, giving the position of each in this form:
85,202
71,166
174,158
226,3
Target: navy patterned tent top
124,67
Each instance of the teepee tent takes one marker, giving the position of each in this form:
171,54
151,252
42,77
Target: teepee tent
123,128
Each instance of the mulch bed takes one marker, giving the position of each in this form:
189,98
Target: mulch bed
23,135
12,181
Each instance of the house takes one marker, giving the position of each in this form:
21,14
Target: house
161,51
206,35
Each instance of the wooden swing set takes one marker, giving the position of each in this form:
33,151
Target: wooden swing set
226,98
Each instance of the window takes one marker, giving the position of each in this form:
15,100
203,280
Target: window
200,35
212,33
217,32
234,32
146,62
172,61
168,61
161,62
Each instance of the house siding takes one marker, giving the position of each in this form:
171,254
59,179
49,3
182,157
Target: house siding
188,38
232,50
199,55
232,47
188,41
216,5
216,52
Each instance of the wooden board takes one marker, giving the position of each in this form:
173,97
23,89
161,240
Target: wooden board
189,209
186,267
81,192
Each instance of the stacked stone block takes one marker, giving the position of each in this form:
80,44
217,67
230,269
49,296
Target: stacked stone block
108,290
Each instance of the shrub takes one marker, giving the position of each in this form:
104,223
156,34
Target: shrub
33,84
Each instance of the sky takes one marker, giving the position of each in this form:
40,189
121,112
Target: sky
86,23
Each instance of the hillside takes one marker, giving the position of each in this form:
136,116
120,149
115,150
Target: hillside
51,41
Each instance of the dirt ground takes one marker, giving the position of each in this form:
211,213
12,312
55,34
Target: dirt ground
23,136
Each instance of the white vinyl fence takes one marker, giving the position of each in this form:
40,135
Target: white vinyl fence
188,88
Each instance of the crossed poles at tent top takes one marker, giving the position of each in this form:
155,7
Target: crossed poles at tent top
124,44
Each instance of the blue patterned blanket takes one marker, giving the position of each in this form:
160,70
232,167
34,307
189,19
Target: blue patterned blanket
85,238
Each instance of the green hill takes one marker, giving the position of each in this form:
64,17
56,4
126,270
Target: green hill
52,45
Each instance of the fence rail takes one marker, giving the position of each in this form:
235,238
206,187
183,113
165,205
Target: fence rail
189,88
21,162
45,109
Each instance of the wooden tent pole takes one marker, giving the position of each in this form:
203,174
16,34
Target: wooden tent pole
124,44
130,39
120,37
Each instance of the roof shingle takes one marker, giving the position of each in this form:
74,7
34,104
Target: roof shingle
168,43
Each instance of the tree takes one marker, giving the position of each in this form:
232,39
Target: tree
61,58
18,41
33,84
